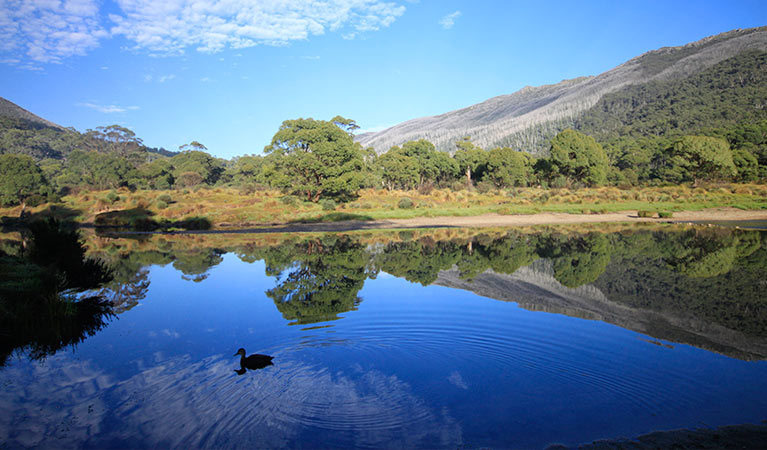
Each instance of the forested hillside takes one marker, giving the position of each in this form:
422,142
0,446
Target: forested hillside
720,79
733,91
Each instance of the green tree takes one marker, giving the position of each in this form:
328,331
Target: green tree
507,167
695,158
746,164
398,171
19,179
317,158
469,158
98,170
206,169
578,157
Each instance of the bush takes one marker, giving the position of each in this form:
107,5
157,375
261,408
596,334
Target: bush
426,188
165,198
665,214
483,187
328,204
161,204
247,189
289,200
35,200
405,203
645,213
112,197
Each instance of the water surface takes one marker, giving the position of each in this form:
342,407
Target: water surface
431,339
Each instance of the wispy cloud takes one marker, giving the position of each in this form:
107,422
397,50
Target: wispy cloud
159,78
448,21
108,109
48,31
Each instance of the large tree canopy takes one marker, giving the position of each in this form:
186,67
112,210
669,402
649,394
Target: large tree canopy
19,178
317,158
507,167
578,157
694,158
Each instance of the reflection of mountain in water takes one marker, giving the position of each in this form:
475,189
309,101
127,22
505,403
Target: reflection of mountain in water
535,288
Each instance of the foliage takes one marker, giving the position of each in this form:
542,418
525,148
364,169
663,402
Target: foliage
721,96
470,159
508,168
578,158
694,158
20,178
405,203
317,158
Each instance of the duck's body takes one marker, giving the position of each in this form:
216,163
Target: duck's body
252,362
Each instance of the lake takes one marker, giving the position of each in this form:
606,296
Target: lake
442,338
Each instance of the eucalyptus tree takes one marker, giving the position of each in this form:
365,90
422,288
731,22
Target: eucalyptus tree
316,158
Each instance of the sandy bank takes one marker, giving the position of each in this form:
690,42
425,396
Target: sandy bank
496,220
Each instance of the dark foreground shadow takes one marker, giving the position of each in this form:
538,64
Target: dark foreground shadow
41,306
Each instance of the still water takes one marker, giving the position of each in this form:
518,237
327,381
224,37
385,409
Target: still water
413,339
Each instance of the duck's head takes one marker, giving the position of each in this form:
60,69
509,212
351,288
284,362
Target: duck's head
240,352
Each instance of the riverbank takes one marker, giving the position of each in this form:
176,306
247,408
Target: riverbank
230,209
496,220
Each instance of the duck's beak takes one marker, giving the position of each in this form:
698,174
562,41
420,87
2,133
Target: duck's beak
236,354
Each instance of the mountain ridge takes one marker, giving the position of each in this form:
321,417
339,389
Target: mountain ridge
14,111
532,114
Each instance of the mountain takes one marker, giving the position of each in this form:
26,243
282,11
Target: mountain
11,110
528,118
22,132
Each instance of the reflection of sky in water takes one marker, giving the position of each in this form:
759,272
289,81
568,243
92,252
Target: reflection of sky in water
412,367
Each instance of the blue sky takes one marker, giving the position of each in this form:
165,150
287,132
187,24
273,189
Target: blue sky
227,73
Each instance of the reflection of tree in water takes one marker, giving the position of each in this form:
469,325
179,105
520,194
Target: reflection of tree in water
710,252
194,264
40,307
323,279
713,274
578,260
418,261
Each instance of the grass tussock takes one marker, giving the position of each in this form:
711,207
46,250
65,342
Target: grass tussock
228,207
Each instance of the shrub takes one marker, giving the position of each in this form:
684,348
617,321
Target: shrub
645,213
288,200
665,214
405,203
165,198
328,204
426,188
35,200
112,197
483,187
161,204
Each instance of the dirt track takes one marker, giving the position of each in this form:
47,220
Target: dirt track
496,220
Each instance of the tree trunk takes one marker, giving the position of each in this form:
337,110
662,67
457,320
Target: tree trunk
468,176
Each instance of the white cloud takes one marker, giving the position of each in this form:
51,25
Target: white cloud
48,31
158,78
108,109
448,21
40,31
172,26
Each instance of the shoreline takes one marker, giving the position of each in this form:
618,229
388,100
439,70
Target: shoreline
488,220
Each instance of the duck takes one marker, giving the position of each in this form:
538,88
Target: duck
252,362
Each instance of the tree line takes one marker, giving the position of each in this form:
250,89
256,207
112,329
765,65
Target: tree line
316,159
